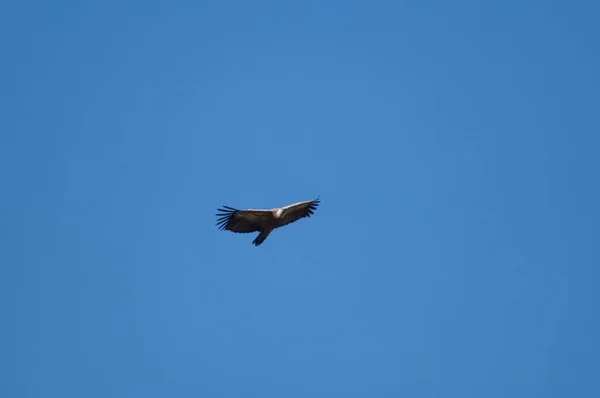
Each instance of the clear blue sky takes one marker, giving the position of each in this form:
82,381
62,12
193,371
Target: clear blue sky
454,146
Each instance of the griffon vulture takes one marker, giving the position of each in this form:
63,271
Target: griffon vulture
263,221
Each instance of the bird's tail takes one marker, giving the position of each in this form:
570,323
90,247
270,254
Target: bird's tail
261,237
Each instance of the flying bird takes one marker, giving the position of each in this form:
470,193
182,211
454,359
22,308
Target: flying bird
263,221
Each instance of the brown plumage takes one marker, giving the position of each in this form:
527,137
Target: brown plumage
263,221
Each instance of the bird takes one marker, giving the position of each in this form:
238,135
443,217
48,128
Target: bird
263,221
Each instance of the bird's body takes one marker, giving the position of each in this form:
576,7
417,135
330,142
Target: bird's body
263,221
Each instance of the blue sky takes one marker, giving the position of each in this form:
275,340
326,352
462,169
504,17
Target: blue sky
454,146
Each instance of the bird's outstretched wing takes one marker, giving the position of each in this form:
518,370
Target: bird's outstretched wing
242,221
297,211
